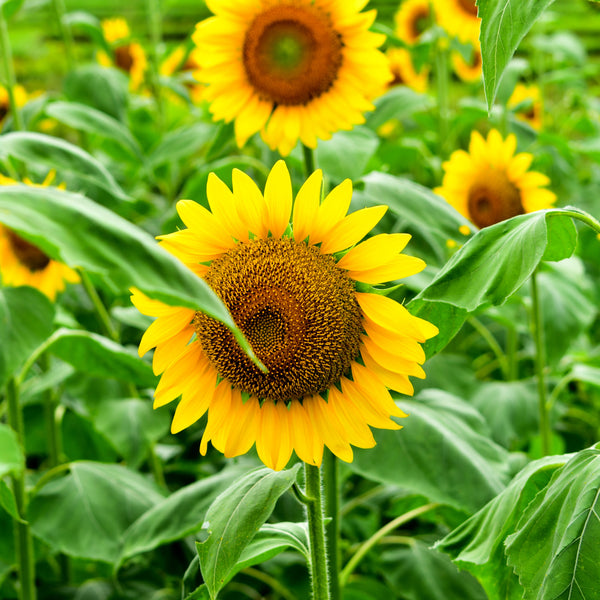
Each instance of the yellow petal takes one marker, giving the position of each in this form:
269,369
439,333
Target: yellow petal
278,198
222,206
306,441
374,391
196,399
147,306
244,425
332,211
375,251
250,203
401,345
165,327
306,206
394,381
167,352
357,431
399,267
175,378
204,223
218,413
391,361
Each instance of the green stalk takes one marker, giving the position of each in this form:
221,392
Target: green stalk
9,72
582,216
309,160
23,540
65,31
512,340
154,25
52,434
331,488
485,333
316,534
540,363
101,311
442,76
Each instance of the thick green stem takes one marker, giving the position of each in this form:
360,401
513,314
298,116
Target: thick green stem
309,160
581,216
65,31
331,488
540,364
52,434
316,534
9,72
101,311
23,540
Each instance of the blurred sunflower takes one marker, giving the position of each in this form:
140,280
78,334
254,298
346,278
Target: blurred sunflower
490,183
20,99
23,263
182,61
459,18
468,71
292,69
127,55
403,70
526,102
331,351
412,19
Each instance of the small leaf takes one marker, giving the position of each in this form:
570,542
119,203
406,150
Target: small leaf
235,517
7,500
11,453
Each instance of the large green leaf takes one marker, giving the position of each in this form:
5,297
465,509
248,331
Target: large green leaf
11,453
235,517
478,544
26,317
86,513
555,549
504,23
73,229
459,465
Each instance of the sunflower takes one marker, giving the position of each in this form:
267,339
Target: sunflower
412,19
332,347
490,183
459,18
127,55
291,69
469,71
403,69
527,104
183,62
22,263
20,99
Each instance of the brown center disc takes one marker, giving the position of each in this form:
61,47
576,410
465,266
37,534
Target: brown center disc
27,254
468,6
124,58
493,199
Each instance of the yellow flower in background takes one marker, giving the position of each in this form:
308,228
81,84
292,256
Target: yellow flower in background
20,99
331,351
127,55
291,69
23,263
459,18
183,61
491,183
403,69
468,71
526,102
412,19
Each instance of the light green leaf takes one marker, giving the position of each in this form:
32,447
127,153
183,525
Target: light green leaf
10,7
459,465
399,103
235,517
86,513
478,544
11,453
555,548
7,501
181,143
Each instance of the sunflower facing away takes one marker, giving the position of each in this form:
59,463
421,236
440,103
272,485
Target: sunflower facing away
291,69
22,263
403,69
527,104
468,70
459,18
490,183
412,19
332,348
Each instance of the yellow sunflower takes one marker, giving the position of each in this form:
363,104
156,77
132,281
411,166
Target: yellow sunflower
412,19
20,99
291,69
459,18
526,101
403,69
332,347
182,61
22,263
490,183
469,71
127,55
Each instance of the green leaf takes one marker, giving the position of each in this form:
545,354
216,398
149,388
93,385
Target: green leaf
555,548
399,103
458,466
478,544
82,441
54,153
181,143
26,317
235,517
94,354
73,229
7,500
11,453
85,118
177,516
10,7
504,23
87,23
8,556
86,513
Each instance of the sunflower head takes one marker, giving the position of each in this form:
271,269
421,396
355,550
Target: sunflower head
331,351
412,19
404,71
23,263
490,183
459,18
294,69
20,99
468,70
527,104
115,30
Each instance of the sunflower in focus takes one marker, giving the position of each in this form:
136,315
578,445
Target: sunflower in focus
126,55
459,18
20,99
302,299
468,71
412,19
403,69
491,183
527,104
183,62
23,263
291,69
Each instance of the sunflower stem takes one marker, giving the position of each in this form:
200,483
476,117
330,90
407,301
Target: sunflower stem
441,79
512,340
50,404
99,307
309,160
331,487
65,31
154,15
316,534
378,535
9,72
486,334
540,363
23,540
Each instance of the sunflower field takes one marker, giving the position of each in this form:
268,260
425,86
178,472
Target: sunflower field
299,299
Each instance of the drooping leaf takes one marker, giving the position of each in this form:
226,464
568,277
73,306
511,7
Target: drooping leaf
11,453
86,513
235,517
459,465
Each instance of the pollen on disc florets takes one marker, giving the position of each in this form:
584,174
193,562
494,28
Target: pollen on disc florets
296,308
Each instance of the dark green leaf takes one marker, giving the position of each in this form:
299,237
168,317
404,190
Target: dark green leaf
8,556
82,441
7,500
26,317
86,513
235,517
458,465
11,453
